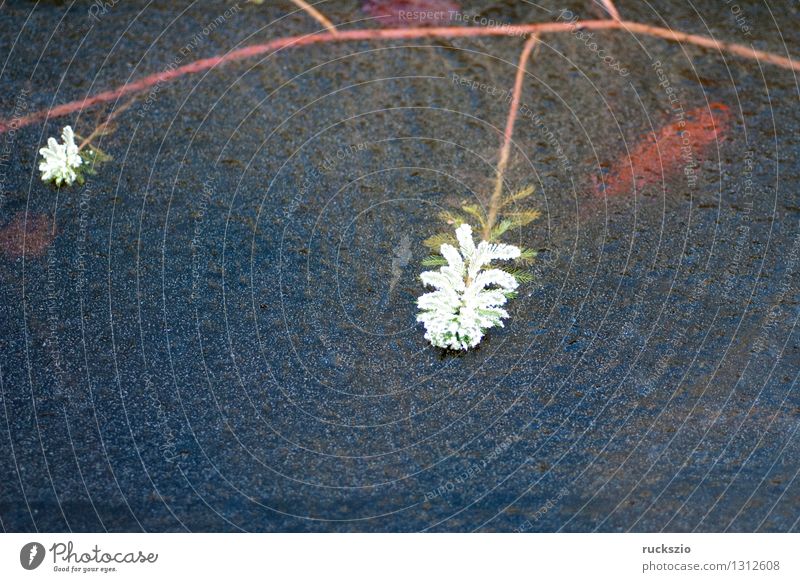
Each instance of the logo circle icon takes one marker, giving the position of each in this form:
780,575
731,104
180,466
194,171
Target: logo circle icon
31,555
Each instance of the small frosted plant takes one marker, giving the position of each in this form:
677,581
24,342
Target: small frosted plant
61,162
68,162
470,291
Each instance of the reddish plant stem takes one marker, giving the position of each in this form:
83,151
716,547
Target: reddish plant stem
508,134
393,34
748,52
611,9
103,126
316,15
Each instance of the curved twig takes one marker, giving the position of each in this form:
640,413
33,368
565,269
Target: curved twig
508,134
103,126
611,9
748,52
316,15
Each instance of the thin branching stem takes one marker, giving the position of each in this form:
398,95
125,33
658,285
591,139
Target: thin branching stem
505,150
145,83
316,15
103,126
611,9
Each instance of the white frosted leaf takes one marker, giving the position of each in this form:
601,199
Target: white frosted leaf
464,237
453,257
495,277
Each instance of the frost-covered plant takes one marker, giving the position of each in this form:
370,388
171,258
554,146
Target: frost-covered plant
68,162
61,162
469,293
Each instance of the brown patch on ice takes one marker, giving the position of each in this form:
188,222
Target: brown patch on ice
29,238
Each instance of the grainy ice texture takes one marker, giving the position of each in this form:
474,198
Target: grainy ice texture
217,331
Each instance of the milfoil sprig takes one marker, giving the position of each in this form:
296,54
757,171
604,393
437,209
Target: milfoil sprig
470,291
62,163
66,162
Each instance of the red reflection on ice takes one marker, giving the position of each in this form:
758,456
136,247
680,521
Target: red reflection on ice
675,147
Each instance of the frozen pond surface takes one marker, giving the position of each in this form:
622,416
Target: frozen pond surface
217,331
